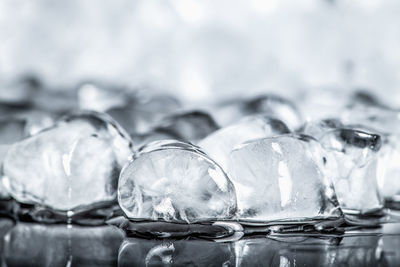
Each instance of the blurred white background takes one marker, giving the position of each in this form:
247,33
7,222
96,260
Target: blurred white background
199,49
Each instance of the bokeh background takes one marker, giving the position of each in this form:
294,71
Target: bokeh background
202,50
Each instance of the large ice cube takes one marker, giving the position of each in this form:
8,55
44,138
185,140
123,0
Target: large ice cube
220,143
70,166
355,181
272,105
175,181
282,178
189,126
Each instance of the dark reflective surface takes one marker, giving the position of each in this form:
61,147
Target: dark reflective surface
32,244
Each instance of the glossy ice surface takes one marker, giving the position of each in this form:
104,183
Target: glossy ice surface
70,166
220,143
355,178
282,178
175,181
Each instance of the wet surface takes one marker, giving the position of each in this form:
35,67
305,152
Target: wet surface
32,244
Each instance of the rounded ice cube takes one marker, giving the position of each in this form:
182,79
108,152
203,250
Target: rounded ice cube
281,178
69,166
175,181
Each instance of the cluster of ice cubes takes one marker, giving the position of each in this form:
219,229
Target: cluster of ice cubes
256,160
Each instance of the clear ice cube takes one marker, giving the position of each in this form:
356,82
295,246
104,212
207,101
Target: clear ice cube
384,120
282,178
175,181
272,105
69,166
189,126
355,179
220,143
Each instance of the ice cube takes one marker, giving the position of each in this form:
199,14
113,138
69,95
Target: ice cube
272,105
389,168
189,126
276,106
70,166
355,182
282,178
14,129
384,120
143,112
175,181
220,143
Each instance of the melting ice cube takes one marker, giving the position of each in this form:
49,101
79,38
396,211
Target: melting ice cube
268,104
220,143
190,126
70,166
356,171
175,181
282,178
